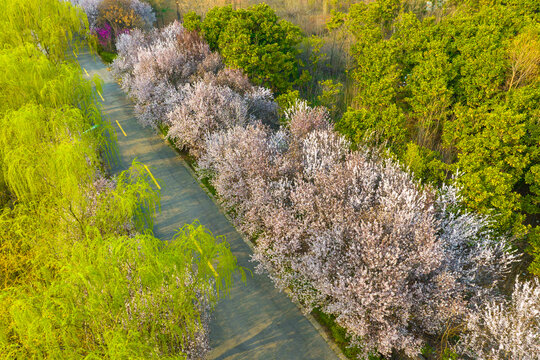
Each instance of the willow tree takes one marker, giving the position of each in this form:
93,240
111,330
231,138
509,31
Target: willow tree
81,274
50,25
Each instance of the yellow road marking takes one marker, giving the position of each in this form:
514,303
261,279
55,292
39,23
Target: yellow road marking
87,74
74,54
120,126
102,99
153,178
212,268
208,261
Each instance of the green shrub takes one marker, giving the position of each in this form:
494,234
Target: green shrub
192,21
256,41
425,164
286,100
107,57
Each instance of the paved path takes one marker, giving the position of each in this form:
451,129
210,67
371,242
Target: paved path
257,321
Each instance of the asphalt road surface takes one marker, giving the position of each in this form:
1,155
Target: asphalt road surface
256,321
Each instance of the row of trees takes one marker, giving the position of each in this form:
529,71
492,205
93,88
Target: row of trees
179,83
349,232
80,273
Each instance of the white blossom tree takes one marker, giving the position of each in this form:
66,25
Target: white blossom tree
508,329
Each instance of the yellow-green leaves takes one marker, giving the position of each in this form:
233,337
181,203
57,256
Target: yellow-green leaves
456,91
47,24
81,276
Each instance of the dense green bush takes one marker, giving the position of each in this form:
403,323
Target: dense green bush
192,21
256,41
451,89
107,57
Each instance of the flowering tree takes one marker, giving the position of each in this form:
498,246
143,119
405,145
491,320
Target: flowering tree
127,11
261,100
355,235
145,12
154,68
205,109
508,329
178,82
241,161
119,15
128,46
150,81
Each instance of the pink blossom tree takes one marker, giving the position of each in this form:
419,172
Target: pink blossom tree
205,109
154,67
353,234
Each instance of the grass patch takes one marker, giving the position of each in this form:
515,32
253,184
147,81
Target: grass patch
339,334
208,185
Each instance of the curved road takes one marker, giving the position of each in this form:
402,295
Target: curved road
256,321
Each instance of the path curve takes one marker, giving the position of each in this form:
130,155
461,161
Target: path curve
257,321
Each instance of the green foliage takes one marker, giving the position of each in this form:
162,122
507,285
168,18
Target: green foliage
449,354
427,350
50,25
256,41
494,157
339,335
457,93
534,250
80,273
215,23
330,94
113,296
337,19
312,61
386,126
192,21
425,164
106,56
287,100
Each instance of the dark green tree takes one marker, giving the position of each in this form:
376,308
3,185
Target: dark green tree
256,41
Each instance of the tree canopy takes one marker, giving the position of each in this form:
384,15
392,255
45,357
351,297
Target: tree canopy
255,40
454,89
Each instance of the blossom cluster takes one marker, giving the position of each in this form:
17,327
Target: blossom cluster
103,34
177,82
353,234
348,232
507,329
